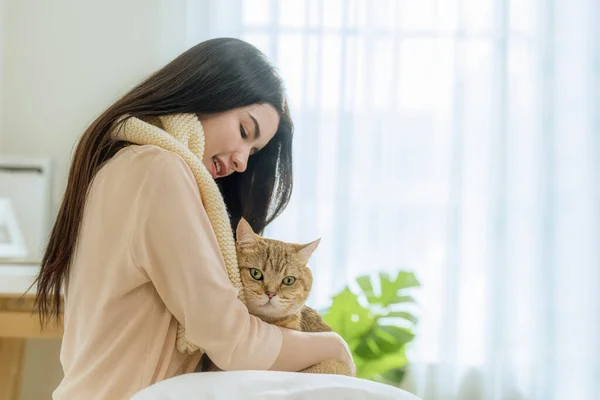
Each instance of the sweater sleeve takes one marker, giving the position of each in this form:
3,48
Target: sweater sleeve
173,243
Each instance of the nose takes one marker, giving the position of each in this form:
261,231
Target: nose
271,294
239,161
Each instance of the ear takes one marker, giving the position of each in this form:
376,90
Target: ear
245,235
305,251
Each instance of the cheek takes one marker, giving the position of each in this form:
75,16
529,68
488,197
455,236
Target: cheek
253,287
294,293
221,135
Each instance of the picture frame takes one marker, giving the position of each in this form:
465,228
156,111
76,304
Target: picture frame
12,242
26,183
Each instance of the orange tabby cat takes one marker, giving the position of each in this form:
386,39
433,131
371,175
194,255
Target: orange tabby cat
277,283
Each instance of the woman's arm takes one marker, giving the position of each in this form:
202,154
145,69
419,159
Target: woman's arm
300,350
172,242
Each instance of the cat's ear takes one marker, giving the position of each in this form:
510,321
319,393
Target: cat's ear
305,251
244,234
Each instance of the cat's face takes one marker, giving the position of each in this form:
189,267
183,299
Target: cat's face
276,279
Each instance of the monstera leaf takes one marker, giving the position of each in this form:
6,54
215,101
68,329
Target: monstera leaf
375,324
391,289
349,318
388,368
381,340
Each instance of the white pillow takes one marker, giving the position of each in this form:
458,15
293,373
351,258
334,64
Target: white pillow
270,385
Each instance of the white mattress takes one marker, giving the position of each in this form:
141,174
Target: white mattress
269,385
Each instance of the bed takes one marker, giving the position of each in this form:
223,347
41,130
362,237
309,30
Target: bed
269,385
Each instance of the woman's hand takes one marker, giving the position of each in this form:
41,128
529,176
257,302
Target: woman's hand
300,350
342,351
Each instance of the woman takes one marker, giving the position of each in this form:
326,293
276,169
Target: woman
134,248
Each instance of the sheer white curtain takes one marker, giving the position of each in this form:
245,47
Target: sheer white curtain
459,139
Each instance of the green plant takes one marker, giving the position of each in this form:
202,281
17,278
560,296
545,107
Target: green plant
375,324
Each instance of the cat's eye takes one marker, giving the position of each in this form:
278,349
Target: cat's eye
256,274
289,280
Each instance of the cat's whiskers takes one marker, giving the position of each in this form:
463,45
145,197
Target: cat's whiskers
275,269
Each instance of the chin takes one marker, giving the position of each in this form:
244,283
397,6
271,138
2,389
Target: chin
268,311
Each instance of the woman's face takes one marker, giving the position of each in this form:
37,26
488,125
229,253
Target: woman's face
233,136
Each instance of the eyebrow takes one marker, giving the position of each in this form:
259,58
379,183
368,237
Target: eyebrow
256,127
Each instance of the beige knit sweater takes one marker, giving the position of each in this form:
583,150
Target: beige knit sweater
183,134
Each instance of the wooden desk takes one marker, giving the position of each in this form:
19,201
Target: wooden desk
17,324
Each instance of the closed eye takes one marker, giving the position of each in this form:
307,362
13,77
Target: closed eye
244,135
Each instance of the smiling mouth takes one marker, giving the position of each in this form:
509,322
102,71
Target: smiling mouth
218,168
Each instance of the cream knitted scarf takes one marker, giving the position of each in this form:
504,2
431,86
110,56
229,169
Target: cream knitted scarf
184,135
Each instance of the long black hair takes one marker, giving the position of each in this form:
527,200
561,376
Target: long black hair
214,76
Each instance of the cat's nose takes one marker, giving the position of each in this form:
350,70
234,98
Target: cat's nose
271,294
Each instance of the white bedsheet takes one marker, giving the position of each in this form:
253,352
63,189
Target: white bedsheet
269,385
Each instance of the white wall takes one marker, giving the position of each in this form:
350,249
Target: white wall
61,64
64,61
2,34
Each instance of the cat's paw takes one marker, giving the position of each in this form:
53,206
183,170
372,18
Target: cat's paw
331,367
